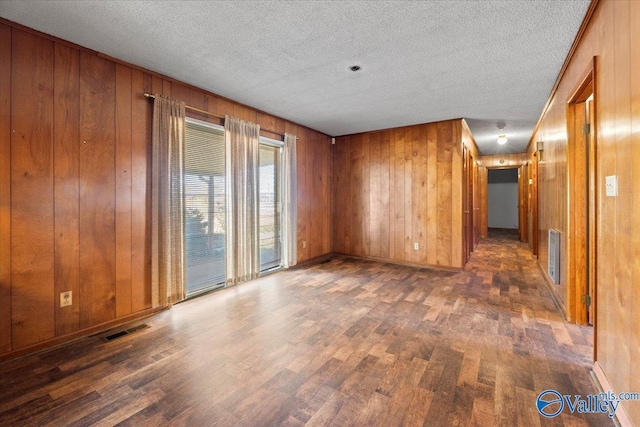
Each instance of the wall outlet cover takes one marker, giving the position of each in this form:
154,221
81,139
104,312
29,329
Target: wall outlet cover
66,299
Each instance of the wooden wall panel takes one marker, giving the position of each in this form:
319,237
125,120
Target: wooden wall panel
634,321
406,137
32,212
5,189
611,36
340,205
398,187
312,223
622,283
97,189
357,201
375,211
457,203
324,148
180,92
607,300
444,230
66,191
419,194
123,191
75,185
303,205
432,189
398,204
141,115
318,215
498,161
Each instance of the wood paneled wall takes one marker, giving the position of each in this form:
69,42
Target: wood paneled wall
75,134
497,161
613,37
398,187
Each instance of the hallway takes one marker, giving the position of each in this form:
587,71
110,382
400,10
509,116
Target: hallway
344,342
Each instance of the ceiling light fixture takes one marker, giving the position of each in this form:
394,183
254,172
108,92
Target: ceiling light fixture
502,138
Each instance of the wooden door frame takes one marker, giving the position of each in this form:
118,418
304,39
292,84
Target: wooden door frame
476,205
579,174
467,204
523,223
535,158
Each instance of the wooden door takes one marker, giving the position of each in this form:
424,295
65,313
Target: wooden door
470,205
534,204
592,210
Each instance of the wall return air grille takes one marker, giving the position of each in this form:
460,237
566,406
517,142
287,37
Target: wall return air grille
554,256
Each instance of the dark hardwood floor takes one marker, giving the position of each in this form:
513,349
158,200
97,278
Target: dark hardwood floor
346,342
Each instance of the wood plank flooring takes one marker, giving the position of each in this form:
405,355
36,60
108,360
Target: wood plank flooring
346,342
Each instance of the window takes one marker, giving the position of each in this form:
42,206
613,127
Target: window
205,206
270,203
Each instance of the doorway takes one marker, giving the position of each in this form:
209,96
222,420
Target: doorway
469,189
582,203
503,200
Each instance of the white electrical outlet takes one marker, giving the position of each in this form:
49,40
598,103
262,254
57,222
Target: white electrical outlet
66,298
304,244
416,246
611,186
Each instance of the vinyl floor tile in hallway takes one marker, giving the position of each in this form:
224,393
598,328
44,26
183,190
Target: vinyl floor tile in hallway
345,342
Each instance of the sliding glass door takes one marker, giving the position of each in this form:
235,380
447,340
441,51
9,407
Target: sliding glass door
270,203
204,206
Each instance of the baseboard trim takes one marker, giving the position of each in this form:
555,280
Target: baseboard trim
554,295
83,333
313,260
396,262
603,384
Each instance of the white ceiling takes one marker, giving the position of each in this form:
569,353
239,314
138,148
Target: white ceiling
486,61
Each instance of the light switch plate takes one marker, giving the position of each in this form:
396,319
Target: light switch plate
611,186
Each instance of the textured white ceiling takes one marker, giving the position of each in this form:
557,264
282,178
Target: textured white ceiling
486,61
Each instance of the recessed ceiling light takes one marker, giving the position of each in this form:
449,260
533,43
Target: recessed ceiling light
354,67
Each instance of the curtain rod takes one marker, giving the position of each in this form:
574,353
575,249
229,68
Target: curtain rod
198,110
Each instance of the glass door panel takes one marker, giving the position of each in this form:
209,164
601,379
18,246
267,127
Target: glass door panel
204,207
269,203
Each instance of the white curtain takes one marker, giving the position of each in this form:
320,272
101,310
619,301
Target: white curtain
167,202
242,140
290,206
